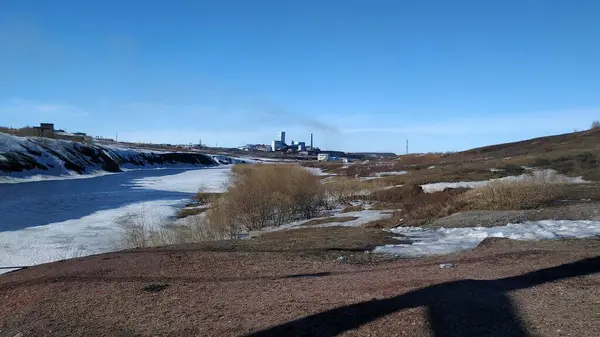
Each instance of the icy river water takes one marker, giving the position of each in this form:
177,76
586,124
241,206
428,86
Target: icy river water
44,221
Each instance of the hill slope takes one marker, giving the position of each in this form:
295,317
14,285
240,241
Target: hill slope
584,140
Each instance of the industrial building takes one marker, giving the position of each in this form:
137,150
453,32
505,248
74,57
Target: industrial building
281,145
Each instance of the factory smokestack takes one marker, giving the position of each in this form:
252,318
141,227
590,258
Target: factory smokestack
311,140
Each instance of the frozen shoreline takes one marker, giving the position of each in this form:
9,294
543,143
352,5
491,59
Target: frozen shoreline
101,231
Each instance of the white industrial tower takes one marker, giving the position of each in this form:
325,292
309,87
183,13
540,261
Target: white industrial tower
282,137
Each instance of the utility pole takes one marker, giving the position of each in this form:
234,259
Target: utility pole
117,137
406,145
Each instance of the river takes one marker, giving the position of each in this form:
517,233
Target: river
45,221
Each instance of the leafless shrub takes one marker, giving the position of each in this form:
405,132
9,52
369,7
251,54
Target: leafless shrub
595,124
145,229
268,195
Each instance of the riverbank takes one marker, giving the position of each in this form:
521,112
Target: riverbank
25,159
53,220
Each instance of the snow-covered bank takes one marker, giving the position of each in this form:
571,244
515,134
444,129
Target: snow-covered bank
101,231
96,233
546,175
448,240
11,179
33,159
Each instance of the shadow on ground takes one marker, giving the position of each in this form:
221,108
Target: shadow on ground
460,308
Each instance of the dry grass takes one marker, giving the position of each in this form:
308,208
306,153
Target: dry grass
331,219
421,159
434,210
419,206
539,189
345,190
205,197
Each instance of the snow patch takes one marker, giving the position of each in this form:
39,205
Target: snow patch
559,178
316,171
448,240
212,180
364,217
391,173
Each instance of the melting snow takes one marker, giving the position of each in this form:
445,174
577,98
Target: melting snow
364,216
436,187
316,171
448,240
391,173
93,234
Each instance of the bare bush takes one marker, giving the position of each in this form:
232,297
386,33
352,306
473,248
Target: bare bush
145,229
259,196
268,195
595,124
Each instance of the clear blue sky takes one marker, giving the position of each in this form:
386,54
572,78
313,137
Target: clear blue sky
362,75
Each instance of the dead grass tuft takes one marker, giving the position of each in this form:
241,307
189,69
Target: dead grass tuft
535,191
345,190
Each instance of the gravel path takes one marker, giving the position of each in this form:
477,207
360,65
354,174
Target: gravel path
494,290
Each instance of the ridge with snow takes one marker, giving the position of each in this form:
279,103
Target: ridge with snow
29,157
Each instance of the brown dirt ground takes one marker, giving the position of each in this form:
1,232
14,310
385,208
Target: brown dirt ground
352,209
567,211
270,288
322,221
